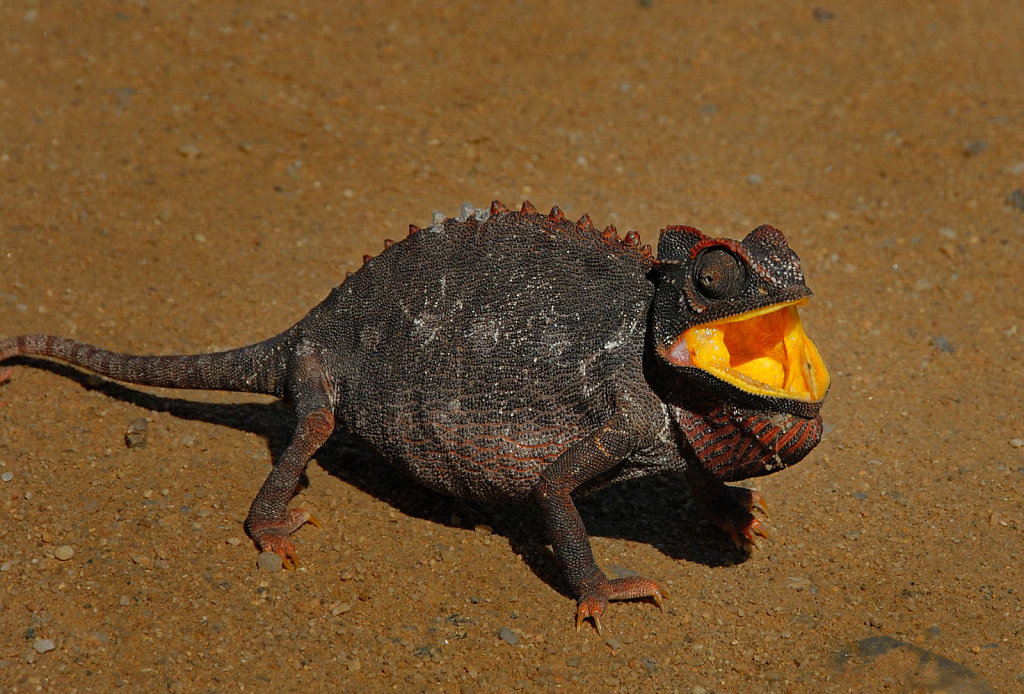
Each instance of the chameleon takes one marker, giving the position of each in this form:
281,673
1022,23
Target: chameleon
511,356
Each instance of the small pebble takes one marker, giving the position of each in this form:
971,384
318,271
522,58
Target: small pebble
189,151
43,645
1017,443
64,552
124,601
620,571
135,434
1016,199
7,476
508,636
269,561
798,582
943,345
973,148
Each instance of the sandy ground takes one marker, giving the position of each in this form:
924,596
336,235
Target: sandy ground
194,176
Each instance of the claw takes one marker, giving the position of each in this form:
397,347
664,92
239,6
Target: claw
747,537
282,547
590,611
593,602
273,537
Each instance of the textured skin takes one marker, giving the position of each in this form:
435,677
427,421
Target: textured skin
508,357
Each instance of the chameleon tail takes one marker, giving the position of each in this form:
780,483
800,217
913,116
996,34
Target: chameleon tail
258,368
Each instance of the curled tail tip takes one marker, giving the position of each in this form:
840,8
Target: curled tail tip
5,375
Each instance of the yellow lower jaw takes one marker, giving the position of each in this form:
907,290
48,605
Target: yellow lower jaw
764,352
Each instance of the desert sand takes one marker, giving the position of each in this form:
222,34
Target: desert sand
182,177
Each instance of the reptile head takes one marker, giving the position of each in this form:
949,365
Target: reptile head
726,316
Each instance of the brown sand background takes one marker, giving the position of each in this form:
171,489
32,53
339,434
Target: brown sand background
192,176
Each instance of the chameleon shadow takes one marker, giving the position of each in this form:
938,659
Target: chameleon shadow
656,511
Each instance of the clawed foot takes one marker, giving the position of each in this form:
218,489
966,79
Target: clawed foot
733,513
274,537
593,602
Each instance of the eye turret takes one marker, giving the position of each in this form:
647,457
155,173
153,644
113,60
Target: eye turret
718,274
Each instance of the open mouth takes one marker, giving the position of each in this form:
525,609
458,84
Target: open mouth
764,352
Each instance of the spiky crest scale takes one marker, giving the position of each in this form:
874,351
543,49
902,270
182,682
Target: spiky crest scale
556,217
610,236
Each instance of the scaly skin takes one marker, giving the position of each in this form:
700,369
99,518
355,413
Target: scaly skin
509,356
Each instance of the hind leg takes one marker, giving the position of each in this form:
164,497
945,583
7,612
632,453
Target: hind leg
270,522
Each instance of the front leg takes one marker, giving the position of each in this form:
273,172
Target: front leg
586,460
729,508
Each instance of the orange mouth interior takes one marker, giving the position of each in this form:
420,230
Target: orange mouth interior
764,352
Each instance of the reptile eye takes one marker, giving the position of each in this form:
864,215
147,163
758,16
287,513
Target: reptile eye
719,274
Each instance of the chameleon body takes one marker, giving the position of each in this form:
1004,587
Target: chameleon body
511,356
